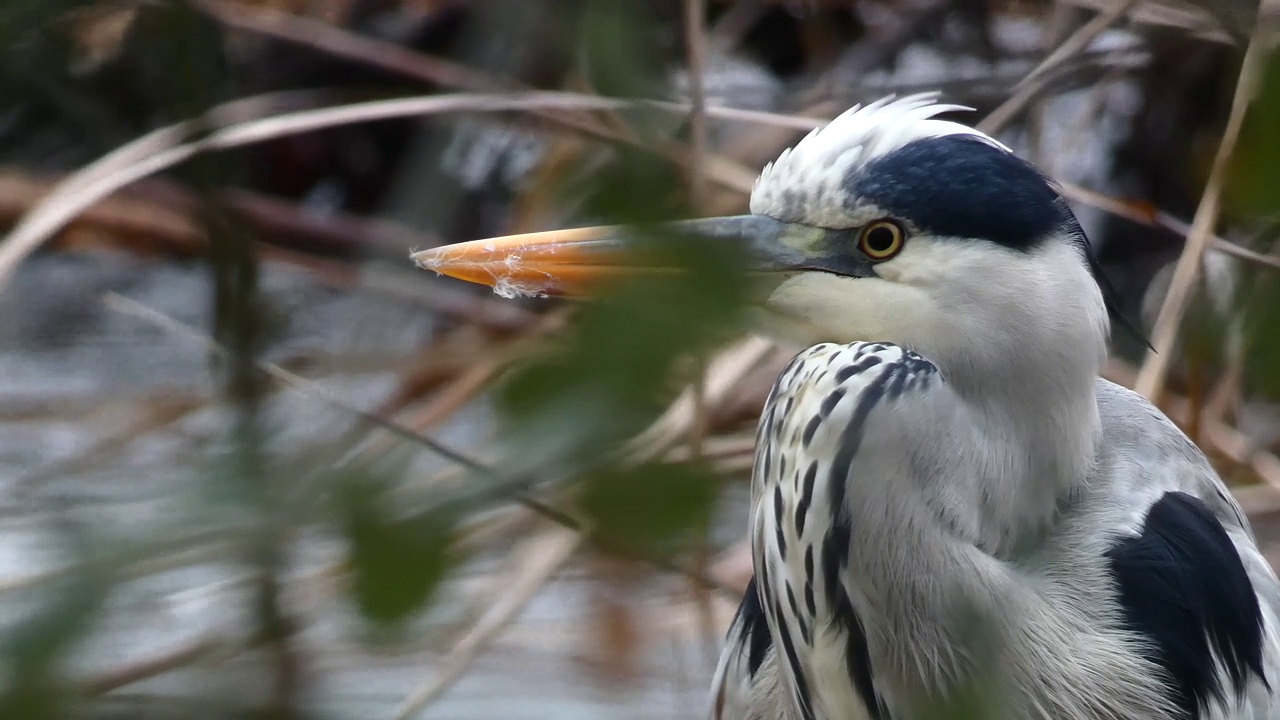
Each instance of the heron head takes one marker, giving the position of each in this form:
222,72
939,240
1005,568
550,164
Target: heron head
887,224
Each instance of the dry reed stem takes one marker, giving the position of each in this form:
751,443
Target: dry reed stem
695,43
290,380
146,668
307,388
159,416
462,390
696,50
724,373
336,41
1144,215
1201,24
183,552
1165,332
1216,434
532,565
163,148
1026,89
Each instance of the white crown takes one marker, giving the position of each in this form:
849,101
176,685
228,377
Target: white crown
806,182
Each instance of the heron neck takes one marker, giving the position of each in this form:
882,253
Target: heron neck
1010,457
1035,432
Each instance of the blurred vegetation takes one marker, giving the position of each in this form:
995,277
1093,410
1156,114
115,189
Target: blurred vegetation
86,77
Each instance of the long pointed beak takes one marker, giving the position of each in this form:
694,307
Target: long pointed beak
571,262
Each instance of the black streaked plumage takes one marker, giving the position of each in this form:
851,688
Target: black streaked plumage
835,546
858,658
755,628
806,499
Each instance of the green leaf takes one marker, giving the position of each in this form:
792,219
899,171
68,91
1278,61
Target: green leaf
654,508
618,39
1254,180
34,649
42,696
396,562
1262,338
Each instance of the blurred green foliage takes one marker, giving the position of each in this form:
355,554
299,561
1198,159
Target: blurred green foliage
1254,199
396,561
33,651
655,508
1262,336
1256,162
566,412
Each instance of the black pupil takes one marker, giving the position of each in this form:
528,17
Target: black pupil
880,239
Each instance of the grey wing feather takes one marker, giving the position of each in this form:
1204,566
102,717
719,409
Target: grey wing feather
1146,458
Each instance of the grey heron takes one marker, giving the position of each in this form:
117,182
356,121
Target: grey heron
944,457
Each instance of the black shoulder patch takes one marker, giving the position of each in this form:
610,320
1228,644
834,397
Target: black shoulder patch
962,186
755,628
1182,585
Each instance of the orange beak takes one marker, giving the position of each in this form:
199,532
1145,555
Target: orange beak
555,262
571,262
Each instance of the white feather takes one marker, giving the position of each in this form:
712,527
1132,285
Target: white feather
806,182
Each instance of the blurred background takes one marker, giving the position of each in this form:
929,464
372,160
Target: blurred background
255,464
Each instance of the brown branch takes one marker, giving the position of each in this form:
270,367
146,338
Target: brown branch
335,41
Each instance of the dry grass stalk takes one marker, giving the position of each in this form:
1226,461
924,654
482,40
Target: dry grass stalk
286,378
164,148
696,52
305,387
1217,436
334,40
1145,214
188,653
1199,22
454,396
725,371
1165,332
1027,89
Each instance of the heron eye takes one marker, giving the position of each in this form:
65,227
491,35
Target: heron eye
881,239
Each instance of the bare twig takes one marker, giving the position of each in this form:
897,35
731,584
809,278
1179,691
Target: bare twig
462,389
159,415
696,48
1025,90
305,387
163,211
723,376
342,43
1196,21
296,382
186,654
1164,333
1224,246
1146,215
163,149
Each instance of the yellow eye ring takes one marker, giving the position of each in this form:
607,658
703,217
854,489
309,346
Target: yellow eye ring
881,240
